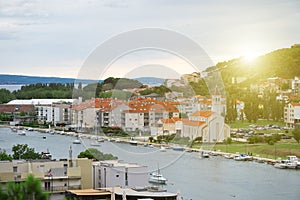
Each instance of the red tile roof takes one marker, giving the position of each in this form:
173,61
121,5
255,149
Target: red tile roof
295,104
192,123
8,108
205,114
151,105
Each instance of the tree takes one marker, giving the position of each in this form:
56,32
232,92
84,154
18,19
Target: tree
95,154
29,190
5,96
22,151
251,106
33,190
4,156
296,133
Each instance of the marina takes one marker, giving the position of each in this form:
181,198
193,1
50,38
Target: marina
195,178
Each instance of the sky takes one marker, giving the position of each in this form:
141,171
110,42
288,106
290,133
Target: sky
55,38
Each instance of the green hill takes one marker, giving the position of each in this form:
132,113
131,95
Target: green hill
283,63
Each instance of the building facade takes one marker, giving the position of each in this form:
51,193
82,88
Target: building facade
55,176
292,114
114,173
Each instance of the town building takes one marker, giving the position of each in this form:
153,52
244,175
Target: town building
295,85
109,115
145,112
56,113
292,114
115,173
194,77
55,176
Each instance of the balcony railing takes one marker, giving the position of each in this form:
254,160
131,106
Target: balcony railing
61,188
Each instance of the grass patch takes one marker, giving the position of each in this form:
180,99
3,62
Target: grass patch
264,150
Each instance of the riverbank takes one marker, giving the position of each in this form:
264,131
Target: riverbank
270,154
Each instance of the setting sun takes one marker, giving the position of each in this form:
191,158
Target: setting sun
250,56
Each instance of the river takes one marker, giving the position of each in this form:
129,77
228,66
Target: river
195,178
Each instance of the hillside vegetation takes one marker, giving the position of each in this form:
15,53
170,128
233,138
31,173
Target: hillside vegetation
283,63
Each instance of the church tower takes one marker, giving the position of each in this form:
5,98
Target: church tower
217,105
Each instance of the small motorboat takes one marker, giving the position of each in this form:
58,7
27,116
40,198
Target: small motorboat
77,141
133,142
95,144
23,133
46,154
204,154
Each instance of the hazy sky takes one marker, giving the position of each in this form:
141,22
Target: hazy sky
53,38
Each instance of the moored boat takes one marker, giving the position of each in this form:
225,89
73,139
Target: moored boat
204,154
162,149
157,177
178,148
133,142
96,144
23,133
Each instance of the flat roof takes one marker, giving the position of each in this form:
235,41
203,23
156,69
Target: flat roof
117,163
38,101
131,192
89,192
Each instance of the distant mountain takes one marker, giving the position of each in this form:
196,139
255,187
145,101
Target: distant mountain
6,79
150,81
283,63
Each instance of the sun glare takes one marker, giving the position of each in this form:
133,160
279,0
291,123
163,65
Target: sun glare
250,56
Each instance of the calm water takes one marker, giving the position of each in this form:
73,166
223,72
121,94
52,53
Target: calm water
195,178
11,87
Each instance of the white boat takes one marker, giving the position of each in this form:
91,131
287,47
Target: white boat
283,164
96,144
294,159
77,141
157,177
46,154
162,149
204,154
14,129
22,133
229,156
291,163
133,142
29,129
240,157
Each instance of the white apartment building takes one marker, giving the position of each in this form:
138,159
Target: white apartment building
114,173
296,84
54,113
110,116
292,114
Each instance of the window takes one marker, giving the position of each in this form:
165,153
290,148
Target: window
15,169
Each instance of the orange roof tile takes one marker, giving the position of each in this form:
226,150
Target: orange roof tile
192,123
295,104
203,113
